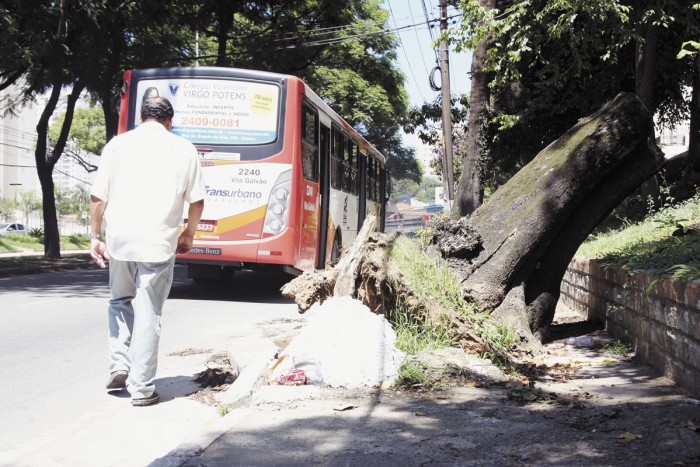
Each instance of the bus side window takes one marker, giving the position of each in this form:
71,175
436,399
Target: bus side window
336,156
372,179
355,178
309,143
347,165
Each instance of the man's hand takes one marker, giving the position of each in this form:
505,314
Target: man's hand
184,242
98,251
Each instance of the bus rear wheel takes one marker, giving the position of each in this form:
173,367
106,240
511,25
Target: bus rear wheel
335,250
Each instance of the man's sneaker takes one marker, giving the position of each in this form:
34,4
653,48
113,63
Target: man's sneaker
117,380
144,401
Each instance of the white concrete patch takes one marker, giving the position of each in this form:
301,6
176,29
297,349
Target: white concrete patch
344,344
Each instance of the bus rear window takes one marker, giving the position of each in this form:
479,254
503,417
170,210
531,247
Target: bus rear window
217,111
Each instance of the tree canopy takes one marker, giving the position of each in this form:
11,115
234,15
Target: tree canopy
551,62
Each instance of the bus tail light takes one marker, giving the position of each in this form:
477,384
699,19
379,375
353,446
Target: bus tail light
277,215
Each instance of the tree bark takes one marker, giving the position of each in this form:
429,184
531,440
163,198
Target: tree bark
531,227
46,160
471,191
694,137
646,65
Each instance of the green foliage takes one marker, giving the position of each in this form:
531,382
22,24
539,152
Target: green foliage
431,278
650,244
79,240
75,201
618,347
87,132
28,203
552,62
7,208
413,374
17,242
415,334
686,51
36,232
677,272
425,191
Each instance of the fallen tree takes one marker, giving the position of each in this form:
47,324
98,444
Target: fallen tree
512,252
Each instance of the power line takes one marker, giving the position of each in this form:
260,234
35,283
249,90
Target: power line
408,61
336,40
430,30
420,49
332,29
19,166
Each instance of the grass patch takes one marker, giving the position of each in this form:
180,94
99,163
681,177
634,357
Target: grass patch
415,334
412,374
650,244
17,243
12,243
618,347
430,277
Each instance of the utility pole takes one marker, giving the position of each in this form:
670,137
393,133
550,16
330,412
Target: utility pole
448,175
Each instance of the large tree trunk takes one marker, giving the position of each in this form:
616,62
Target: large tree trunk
512,252
471,191
694,139
646,65
46,160
530,227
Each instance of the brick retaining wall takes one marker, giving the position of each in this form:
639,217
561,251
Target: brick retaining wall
663,327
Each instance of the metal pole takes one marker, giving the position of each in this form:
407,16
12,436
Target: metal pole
446,107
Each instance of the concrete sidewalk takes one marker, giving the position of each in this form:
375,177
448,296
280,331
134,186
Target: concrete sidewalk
588,408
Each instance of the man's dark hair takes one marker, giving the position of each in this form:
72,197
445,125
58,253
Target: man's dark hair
156,108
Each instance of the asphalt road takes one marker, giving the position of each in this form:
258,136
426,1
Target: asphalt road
53,366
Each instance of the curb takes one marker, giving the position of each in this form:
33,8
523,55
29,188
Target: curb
62,264
26,270
256,354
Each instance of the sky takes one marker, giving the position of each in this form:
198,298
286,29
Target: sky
416,54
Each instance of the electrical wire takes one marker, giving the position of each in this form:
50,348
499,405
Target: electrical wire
430,30
408,61
415,31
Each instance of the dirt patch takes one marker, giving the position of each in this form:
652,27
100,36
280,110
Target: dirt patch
216,378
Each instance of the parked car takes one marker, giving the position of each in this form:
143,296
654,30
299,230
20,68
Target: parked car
12,229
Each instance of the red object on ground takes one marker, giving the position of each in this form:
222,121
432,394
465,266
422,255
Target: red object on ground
296,377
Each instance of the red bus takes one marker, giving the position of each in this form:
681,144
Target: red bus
288,181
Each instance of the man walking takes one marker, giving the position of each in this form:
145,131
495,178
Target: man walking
144,178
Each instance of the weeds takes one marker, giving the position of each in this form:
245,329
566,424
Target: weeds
415,334
618,348
650,244
430,277
413,374
677,272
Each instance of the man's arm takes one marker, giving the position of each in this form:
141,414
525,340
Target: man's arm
194,214
98,249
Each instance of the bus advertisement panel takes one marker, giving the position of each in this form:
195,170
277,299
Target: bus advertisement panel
215,111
